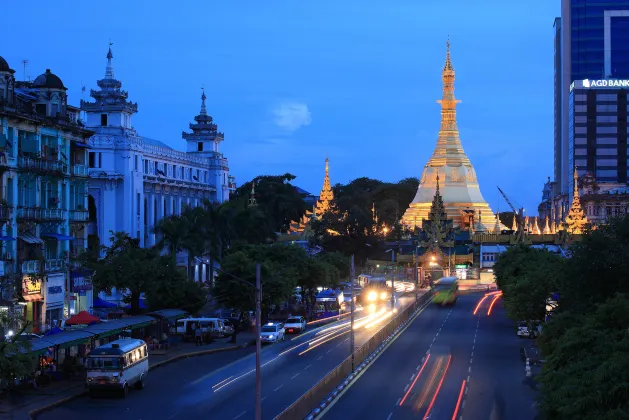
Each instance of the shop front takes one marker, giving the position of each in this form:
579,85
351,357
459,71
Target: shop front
54,297
81,298
33,296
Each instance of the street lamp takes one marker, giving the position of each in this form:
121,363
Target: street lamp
392,251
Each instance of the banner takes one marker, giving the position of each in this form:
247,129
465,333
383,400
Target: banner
80,280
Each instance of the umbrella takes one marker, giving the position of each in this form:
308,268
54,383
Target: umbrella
82,318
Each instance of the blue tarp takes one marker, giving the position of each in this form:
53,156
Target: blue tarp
53,331
100,303
58,236
142,304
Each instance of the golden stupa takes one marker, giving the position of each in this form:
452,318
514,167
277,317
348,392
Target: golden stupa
459,185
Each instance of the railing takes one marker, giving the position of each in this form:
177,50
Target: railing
79,215
6,212
80,170
31,266
39,164
318,393
56,264
35,213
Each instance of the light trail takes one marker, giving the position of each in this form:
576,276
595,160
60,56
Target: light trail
491,306
416,378
434,398
480,302
458,403
429,384
379,320
222,382
323,342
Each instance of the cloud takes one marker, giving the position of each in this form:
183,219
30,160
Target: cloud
290,116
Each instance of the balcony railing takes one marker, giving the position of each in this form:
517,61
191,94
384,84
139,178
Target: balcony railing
56,264
42,165
6,212
80,170
36,213
79,216
31,266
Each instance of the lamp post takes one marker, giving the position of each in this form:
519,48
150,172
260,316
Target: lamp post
258,343
352,274
392,251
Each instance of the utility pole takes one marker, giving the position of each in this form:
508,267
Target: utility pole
258,343
352,274
416,275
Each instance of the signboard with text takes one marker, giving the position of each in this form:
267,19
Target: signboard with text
31,289
80,281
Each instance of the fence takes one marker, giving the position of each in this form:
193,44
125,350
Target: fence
326,386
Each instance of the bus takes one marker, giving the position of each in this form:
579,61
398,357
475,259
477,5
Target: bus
446,289
376,291
118,365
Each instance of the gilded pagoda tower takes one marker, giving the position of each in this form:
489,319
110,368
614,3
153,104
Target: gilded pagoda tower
459,187
576,220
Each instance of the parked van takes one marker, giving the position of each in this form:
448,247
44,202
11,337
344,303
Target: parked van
118,365
187,326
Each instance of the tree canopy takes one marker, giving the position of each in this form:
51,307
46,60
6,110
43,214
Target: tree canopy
15,361
586,341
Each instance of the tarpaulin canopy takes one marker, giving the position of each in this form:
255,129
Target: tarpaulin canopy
82,318
102,303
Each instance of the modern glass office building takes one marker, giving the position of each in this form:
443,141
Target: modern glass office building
591,42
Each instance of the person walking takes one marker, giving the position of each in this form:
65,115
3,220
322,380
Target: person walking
199,336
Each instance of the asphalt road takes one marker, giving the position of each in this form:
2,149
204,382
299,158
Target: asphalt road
448,358
222,385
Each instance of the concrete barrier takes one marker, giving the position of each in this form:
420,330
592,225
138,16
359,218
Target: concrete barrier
317,398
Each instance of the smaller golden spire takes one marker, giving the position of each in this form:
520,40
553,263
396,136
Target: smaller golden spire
448,65
576,220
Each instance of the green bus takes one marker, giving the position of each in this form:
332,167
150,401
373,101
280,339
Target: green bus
446,289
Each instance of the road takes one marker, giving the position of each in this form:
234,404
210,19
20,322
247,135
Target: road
448,364
200,387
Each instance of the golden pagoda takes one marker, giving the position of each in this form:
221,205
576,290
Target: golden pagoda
546,230
324,204
576,220
459,186
497,228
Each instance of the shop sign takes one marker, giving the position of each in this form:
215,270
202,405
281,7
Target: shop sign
53,290
31,287
80,280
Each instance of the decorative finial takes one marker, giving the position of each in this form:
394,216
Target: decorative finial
448,65
252,196
203,109
109,70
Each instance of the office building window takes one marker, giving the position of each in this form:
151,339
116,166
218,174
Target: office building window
606,118
610,97
103,120
606,162
606,140
606,152
606,130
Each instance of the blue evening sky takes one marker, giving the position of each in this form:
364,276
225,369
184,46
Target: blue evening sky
290,82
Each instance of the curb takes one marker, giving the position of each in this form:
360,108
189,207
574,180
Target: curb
37,411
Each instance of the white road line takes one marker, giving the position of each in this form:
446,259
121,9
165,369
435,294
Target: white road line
338,344
278,388
240,415
472,353
307,367
389,417
463,405
174,415
406,387
263,398
471,360
468,378
321,357
466,388
412,377
469,369
296,375
398,401
329,350
437,335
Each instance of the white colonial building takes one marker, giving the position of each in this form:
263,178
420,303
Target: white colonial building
136,181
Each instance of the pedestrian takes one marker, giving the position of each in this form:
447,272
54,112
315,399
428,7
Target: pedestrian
198,335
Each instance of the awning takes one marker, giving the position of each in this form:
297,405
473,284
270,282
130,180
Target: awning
30,239
81,144
168,314
58,236
6,238
106,329
63,340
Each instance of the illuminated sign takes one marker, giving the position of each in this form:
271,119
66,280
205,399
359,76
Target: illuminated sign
605,83
31,287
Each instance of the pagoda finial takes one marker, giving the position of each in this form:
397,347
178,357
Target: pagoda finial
109,70
497,229
203,109
326,196
252,196
448,65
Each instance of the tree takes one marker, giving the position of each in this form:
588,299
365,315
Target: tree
586,376
15,361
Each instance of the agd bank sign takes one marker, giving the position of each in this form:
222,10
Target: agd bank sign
587,83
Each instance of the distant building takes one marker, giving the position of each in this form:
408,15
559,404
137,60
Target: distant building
43,200
136,181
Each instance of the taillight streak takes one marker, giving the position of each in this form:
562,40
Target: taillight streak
458,403
438,389
416,378
496,297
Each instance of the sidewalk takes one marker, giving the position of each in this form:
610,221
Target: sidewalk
29,403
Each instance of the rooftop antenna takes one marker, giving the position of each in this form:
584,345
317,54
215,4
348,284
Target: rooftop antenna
25,64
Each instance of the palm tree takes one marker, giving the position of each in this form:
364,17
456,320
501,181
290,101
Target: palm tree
171,232
218,231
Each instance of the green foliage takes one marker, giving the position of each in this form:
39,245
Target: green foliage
528,277
127,266
14,359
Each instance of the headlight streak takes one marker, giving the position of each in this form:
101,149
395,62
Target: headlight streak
438,389
379,320
323,342
491,305
222,382
414,381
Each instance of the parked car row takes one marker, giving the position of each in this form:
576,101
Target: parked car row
215,327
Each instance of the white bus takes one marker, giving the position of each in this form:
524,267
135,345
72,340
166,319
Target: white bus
118,365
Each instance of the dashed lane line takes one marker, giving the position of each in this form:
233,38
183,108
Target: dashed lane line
296,375
240,415
278,388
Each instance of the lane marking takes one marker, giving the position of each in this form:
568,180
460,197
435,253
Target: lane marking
263,398
398,401
434,398
307,367
469,369
406,387
458,403
278,388
413,384
329,351
174,415
468,378
296,375
240,415
390,414
412,377
321,357
466,388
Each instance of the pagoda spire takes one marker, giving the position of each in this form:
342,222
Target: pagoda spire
203,98
576,220
252,195
109,70
546,230
326,196
497,224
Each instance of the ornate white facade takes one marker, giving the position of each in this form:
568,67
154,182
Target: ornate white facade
136,181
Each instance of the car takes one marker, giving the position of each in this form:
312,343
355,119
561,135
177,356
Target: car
295,324
524,331
228,327
272,333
